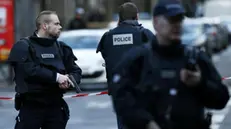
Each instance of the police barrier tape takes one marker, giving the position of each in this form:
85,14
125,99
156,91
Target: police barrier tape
226,78
68,96
86,94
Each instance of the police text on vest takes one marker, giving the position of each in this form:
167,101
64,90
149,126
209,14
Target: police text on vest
122,39
48,55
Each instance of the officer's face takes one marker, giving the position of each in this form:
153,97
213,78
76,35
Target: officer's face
54,27
169,27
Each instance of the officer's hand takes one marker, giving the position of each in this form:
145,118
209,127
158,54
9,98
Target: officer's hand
62,78
64,85
70,83
153,125
190,78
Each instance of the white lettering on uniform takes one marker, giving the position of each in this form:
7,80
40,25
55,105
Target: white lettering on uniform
168,74
48,55
122,39
173,6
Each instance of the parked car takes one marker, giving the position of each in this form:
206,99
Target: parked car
84,44
226,20
193,34
224,33
217,33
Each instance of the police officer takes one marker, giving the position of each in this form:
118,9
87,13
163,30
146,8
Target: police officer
127,34
165,85
42,66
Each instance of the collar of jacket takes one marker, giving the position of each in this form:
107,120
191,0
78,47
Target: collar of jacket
174,50
42,41
130,22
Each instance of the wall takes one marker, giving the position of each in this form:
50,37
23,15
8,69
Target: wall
64,8
25,14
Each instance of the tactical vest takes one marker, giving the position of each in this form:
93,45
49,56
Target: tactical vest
49,57
119,41
160,85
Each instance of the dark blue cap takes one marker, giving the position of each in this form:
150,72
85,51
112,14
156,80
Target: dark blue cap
168,8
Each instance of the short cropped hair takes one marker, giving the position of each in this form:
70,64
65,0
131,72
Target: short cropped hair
128,11
41,18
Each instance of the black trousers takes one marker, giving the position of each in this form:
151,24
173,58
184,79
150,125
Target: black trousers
32,117
118,118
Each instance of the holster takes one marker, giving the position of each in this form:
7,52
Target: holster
208,119
66,110
18,101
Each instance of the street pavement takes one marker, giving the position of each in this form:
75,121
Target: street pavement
95,112
220,116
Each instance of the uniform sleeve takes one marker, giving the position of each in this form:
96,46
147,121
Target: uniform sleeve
100,47
213,93
21,60
147,35
70,65
124,80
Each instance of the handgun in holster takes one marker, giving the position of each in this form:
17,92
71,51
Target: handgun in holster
66,110
208,118
74,84
18,101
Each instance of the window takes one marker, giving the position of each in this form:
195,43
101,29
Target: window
81,42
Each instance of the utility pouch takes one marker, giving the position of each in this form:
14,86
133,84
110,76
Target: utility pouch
65,110
18,101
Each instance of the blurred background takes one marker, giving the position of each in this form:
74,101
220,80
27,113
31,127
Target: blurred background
207,26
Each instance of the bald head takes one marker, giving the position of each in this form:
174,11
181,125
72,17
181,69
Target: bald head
44,17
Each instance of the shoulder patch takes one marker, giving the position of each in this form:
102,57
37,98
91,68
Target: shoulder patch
116,78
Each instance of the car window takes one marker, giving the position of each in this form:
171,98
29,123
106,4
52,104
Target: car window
81,42
192,29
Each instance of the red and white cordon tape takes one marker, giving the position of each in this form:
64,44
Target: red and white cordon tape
226,78
86,94
68,96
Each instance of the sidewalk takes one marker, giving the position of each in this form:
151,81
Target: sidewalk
4,86
226,124
6,91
